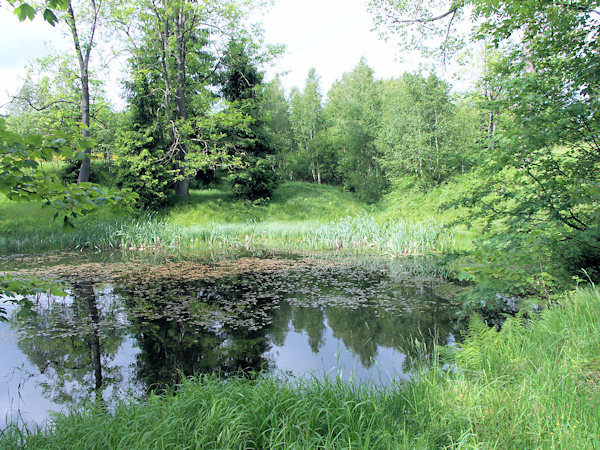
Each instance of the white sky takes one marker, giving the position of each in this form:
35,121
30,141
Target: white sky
330,35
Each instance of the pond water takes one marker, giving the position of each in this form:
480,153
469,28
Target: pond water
127,330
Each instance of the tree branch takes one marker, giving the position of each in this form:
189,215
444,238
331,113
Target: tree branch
46,106
452,11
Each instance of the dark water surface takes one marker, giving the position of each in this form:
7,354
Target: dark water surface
127,336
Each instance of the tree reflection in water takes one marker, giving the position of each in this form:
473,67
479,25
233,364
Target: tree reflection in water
185,329
72,342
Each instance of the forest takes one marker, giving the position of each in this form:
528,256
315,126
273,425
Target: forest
485,197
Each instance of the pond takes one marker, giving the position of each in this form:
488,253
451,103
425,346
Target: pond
128,328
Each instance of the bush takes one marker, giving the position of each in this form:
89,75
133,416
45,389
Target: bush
256,181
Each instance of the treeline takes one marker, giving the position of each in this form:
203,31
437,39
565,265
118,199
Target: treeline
226,122
199,110
367,133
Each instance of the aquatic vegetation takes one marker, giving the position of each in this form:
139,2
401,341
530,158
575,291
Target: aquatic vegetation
352,234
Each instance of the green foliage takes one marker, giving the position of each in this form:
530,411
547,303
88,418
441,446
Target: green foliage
239,77
241,84
422,132
202,87
21,177
100,172
143,165
435,29
24,10
552,186
306,161
539,186
275,113
352,112
49,99
257,181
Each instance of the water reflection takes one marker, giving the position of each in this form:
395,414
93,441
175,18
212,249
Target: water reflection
72,343
139,335
185,329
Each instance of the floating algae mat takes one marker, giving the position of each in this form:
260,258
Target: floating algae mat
129,327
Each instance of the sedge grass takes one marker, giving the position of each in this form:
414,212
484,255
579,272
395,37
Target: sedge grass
354,234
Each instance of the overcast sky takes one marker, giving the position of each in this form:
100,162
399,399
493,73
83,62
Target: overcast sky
330,35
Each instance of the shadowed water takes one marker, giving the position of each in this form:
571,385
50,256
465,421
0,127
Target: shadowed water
110,340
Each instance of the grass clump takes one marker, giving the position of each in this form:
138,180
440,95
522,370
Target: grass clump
238,413
534,384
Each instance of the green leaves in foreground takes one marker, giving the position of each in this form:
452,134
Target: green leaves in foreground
22,177
26,11
14,289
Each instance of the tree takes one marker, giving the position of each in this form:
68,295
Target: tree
49,101
83,20
21,178
542,173
141,145
83,27
420,132
275,112
352,112
179,48
307,121
241,82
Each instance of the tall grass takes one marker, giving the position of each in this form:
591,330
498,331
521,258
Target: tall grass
209,413
352,234
534,384
394,237
301,216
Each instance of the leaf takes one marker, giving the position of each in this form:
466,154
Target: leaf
50,17
59,142
25,11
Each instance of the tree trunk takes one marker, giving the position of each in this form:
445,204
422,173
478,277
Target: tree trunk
182,188
84,170
83,59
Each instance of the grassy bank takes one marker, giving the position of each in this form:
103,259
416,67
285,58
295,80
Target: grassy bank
301,216
534,384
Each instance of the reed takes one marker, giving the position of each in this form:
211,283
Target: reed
351,234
